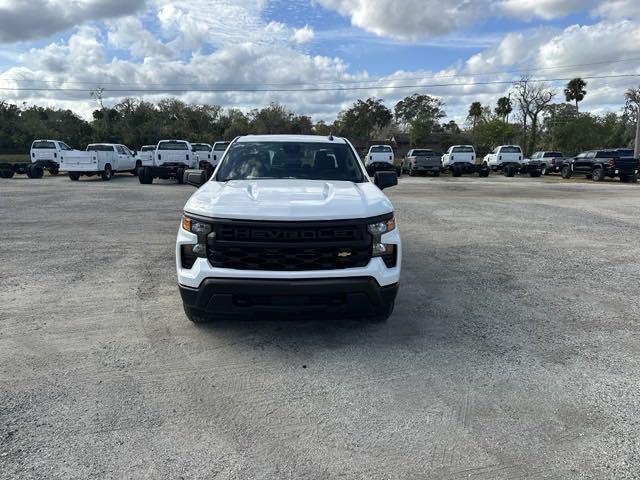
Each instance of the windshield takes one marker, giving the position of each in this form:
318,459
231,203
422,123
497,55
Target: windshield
44,145
552,154
380,149
511,150
422,153
201,147
100,148
463,150
289,160
173,146
221,147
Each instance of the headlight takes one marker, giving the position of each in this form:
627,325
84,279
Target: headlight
380,228
202,230
379,249
193,226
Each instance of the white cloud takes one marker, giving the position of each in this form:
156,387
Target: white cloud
618,9
28,19
547,9
303,35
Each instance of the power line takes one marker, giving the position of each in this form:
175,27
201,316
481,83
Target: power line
302,90
523,70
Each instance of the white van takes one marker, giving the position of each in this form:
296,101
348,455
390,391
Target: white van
170,159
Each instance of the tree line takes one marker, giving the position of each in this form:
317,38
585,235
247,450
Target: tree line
527,116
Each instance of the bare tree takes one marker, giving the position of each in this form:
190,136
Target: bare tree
633,100
97,94
533,98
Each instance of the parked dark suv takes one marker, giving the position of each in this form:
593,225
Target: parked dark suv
599,164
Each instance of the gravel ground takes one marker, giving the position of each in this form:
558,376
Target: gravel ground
513,351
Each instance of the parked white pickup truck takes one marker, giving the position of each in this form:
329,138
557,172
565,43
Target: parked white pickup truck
503,156
289,223
460,159
380,159
203,153
218,151
145,155
51,154
102,159
170,159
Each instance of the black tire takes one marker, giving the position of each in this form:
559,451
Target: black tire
456,171
36,171
144,176
385,313
510,171
597,175
196,316
54,171
28,171
107,173
535,173
6,173
180,176
135,170
544,170
566,172
74,176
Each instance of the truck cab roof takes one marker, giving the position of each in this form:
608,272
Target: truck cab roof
289,138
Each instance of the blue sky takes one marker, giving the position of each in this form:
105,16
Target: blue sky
145,44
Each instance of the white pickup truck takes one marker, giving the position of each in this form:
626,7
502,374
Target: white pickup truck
218,151
460,159
289,223
170,159
380,158
504,156
203,153
145,155
104,159
44,155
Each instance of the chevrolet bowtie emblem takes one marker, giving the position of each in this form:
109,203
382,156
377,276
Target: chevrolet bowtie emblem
344,254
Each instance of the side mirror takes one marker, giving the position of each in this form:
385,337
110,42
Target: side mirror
386,179
196,178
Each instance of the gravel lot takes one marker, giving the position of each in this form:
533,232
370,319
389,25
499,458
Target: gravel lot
513,351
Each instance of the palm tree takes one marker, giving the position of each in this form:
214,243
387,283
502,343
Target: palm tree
503,108
575,91
475,113
633,98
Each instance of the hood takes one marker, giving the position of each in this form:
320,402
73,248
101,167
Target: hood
288,200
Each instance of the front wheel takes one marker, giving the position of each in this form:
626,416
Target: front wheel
136,169
74,176
196,316
54,171
7,173
107,173
385,312
566,172
180,176
535,173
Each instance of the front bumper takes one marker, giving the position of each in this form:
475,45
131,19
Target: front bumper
202,269
354,296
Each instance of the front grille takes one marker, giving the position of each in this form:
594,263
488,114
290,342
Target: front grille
289,247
